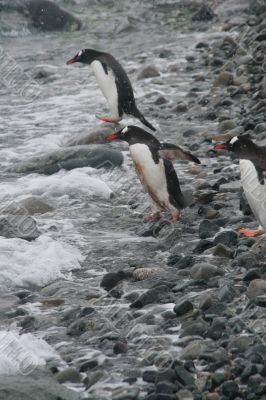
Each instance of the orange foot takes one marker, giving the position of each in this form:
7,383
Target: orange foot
251,232
107,119
152,217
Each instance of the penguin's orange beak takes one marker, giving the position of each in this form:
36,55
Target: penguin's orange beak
72,60
111,137
220,146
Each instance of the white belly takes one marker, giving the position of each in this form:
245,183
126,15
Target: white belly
254,191
107,85
152,176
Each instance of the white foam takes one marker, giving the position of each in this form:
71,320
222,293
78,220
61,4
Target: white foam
73,183
23,353
39,262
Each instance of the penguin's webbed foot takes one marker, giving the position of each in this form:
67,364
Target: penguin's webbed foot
152,217
251,232
108,119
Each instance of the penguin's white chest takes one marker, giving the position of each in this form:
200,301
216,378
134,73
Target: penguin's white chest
152,175
255,192
106,82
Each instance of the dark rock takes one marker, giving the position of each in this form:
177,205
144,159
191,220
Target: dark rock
160,100
181,107
149,376
203,245
164,387
204,13
48,16
227,238
207,229
111,279
189,133
120,348
184,377
197,327
230,389
202,45
155,295
19,226
77,327
251,275
166,53
90,364
183,307
148,72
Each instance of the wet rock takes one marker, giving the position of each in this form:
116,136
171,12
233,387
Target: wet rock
205,13
149,376
160,100
48,16
96,135
181,107
68,375
207,229
197,328
256,288
31,205
224,79
7,302
226,125
184,377
19,226
183,307
205,271
125,393
227,238
193,350
38,385
78,327
148,72
222,251
154,295
203,245
230,389
111,279
120,347
95,156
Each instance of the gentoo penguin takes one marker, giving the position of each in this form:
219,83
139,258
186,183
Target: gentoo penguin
113,82
155,171
252,163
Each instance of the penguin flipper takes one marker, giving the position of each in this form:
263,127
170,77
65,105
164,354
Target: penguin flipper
137,114
172,152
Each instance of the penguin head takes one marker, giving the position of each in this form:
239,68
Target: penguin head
85,56
238,144
133,134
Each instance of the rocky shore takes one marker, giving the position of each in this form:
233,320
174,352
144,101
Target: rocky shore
156,311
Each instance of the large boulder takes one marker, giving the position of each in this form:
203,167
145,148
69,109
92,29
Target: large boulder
48,16
95,156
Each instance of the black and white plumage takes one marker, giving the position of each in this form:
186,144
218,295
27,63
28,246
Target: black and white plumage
155,170
252,164
114,84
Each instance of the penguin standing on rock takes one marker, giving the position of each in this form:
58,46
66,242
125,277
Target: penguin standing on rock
252,163
155,170
114,83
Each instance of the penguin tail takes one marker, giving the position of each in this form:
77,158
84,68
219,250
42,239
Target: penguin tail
138,115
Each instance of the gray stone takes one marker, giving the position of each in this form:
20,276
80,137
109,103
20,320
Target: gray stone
95,156
193,350
31,205
232,187
39,385
256,288
222,251
227,238
96,135
226,125
183,307
148,72
19,226
224,79
48,16
207,229
155,295
68,375
205,271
